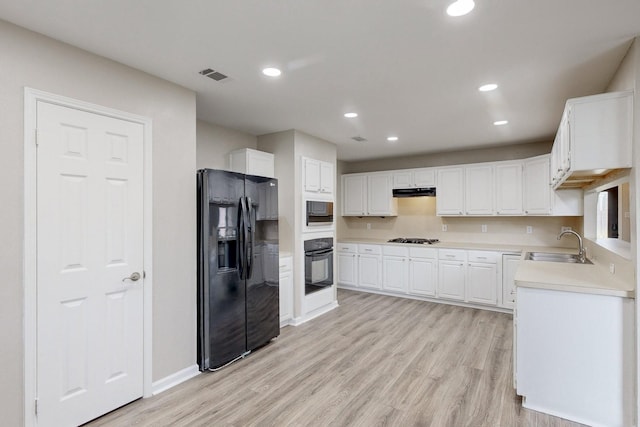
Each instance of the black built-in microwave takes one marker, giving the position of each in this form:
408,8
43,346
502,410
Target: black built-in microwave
319,212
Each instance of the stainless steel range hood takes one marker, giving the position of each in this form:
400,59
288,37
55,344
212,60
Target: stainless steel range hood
415,192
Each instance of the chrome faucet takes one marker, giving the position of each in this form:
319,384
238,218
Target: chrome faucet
582,252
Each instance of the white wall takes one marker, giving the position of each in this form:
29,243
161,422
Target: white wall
30,59
214,142
628,77
281,145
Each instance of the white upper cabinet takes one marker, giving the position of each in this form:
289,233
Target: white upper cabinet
509,188
327,177
537,192
450,191
354,195
540,199
368,195
252,162
414,178
318,176
479,189
595,136
380,195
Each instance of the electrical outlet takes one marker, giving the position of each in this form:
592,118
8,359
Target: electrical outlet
368,226
444,227
484,228
612,268
529,229
564,228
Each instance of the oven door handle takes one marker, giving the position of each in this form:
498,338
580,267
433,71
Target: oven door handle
320,252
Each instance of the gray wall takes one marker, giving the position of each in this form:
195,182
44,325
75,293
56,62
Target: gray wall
30,59
508,152
215,142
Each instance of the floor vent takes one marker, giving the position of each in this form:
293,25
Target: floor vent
358,138
213,74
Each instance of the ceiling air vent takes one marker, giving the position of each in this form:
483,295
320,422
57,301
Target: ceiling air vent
358,138
213,74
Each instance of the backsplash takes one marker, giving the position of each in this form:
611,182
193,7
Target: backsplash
417,218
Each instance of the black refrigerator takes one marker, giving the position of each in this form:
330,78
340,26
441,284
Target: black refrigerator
238,295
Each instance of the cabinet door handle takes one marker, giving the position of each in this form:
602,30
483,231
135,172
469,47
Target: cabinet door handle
481,257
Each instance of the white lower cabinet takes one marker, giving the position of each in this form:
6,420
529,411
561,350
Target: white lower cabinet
509,265
469,276
575,355
286,290
395,268
482,277
452,274
423,269
369,266
347,258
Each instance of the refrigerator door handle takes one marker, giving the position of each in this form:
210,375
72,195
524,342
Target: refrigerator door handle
251,228
241,239
246,231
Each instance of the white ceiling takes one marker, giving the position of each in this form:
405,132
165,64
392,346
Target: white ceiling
406,67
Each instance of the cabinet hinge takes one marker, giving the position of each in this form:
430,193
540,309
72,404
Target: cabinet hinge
36,406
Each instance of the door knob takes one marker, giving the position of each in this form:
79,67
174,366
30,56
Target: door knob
135,276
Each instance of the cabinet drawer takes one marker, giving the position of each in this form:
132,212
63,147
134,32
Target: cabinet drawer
285,263
452,254
482,256
395,250
350,248
370,249
423,253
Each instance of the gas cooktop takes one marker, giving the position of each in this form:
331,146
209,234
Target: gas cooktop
415,240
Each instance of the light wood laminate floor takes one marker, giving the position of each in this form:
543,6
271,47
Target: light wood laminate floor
373,361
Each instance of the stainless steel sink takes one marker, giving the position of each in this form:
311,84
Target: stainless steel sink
555,257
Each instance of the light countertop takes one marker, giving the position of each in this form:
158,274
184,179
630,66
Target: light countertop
444,245
582,278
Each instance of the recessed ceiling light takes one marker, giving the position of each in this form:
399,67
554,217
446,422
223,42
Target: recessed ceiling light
488,87
500,122
351,115
271,72
392,138
460,7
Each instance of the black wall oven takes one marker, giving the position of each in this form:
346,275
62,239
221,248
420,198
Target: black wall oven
318,264
319,212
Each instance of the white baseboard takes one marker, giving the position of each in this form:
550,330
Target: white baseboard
174,379
296,321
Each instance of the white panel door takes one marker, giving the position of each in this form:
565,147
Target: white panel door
537,192
394,274
326,177
380,199
354,193
311,175
478,190
347,269
509,188
482,282
89,238
450,191
369,271
451,280
422,277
